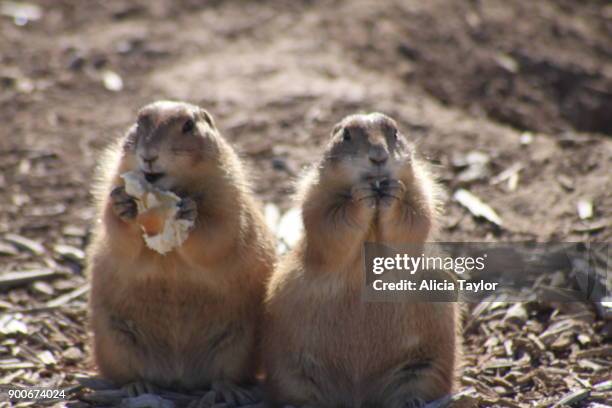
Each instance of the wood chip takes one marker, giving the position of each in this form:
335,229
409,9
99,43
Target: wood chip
19,278
12,324
603,386
605,351
526,138
477,207
590,365
272,216
562,342
572,398
517,313
25,243
112,81
592,226
74,231
69,252
566,182
43,287
290,227
62,300
20,11
584,209
506,174
46,357
8,249
535,340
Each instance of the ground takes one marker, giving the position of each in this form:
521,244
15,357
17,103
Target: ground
529,84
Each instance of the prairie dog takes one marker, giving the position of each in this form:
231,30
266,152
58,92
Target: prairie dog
323,346
191,316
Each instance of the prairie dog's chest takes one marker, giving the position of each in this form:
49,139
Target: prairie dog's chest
166,288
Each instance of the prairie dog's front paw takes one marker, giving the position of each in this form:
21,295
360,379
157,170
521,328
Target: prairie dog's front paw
364,193
188,209
389,191
124,205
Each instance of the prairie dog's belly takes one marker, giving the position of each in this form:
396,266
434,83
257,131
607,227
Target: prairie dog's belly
356,339
167,300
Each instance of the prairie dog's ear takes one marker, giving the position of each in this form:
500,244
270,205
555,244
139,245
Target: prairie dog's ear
336,128
130,139
203,113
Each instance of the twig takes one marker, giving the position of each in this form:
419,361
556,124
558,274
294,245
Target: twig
12,279
573,398
62,300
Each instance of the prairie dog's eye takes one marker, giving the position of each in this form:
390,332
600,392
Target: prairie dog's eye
394,134
188,126
346,135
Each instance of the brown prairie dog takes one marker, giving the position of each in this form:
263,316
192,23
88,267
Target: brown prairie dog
323,346
189,317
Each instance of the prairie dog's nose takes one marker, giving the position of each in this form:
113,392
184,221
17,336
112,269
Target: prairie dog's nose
378,155
149,160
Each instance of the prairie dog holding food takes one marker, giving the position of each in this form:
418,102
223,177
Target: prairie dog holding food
323,346
190,316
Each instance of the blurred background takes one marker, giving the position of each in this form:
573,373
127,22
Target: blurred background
510,99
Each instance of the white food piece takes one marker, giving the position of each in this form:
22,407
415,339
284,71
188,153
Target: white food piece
148,197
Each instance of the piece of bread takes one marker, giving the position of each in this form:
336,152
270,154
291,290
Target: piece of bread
157,211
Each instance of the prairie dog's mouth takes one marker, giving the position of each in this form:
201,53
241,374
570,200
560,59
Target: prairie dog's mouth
376,177
153,177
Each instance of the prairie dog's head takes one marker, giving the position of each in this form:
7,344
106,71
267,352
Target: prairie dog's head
367,147
171,142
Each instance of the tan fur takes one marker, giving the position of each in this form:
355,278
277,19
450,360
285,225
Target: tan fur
323,346
191,316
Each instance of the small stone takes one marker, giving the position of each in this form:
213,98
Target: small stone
72,355
76,62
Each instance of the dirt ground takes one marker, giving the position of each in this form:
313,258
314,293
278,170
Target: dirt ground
526,84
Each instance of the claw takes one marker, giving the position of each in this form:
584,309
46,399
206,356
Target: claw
138,388
415,403
123,204
234,395
187,209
